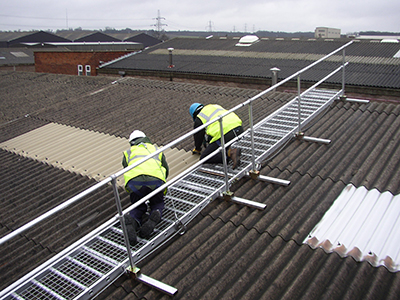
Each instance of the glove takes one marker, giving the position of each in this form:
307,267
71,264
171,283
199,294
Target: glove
194,151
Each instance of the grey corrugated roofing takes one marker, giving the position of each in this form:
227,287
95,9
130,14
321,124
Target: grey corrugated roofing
41,187
11,35
362,48
97,37
16,56
40,36
367,61
73,35
143,38
356,74
229,251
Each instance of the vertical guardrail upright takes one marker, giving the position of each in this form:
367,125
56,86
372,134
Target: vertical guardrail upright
251,125
299,105
133,269
343,70
224,162
121,218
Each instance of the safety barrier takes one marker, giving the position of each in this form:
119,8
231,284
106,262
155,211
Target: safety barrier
89,265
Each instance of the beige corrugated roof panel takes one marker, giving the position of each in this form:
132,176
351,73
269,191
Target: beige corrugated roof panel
93,154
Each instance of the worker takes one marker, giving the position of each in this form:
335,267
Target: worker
232,127
141,181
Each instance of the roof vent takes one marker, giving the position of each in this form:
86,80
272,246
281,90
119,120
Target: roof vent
248,40
170,57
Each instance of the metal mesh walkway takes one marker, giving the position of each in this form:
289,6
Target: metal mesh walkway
90,265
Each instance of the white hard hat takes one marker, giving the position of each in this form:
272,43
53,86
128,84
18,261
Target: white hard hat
136,134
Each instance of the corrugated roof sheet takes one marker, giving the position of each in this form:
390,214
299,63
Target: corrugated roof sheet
228,251
221,57
16,56
363,224
280,55
85,152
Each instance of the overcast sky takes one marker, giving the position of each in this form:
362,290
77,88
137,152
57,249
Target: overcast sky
202,15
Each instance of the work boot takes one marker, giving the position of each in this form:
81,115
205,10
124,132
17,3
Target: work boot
132,227
148,227
235,156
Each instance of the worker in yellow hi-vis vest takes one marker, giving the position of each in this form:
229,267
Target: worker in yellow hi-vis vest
232,127
141,181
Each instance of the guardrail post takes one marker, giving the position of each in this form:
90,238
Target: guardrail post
224,156
253,155
343,73
299,133
122,221
133,270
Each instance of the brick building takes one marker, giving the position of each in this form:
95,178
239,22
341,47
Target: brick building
80,58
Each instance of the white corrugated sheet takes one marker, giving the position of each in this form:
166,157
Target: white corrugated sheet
364,224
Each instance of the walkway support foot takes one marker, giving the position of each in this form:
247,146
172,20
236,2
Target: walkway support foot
256,176
313,139
228,196
153,283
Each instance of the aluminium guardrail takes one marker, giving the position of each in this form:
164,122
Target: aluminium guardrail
228,177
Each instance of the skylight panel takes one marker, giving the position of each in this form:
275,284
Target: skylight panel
248,40
19,54
389,41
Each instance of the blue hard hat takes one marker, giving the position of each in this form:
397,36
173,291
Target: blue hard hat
195,107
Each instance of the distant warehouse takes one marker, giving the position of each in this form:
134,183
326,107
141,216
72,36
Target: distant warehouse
326,32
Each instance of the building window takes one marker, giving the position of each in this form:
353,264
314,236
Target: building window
87,70
80,70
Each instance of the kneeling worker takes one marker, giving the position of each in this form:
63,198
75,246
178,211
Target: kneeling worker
141,181
232,127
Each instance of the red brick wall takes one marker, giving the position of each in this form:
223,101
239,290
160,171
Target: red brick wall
67,62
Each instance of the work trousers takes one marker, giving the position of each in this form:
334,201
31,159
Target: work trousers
142,189
217,159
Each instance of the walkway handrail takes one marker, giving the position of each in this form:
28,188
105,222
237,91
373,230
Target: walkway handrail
169,145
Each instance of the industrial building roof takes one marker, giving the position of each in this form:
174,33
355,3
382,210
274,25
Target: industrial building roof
221,57
228,251
10,38
16,56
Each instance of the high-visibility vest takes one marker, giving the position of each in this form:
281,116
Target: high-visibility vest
212,111
152,167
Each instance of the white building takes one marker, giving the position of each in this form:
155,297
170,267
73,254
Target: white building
326,32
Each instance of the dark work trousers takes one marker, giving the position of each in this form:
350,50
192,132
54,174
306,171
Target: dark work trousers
217,159
141,189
